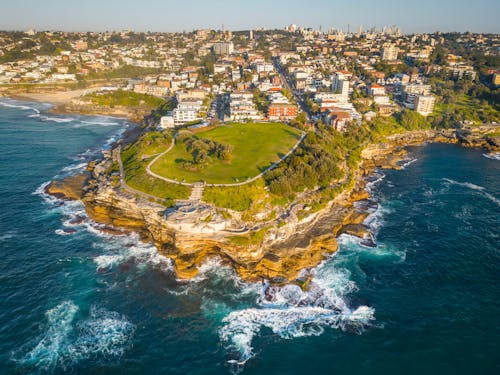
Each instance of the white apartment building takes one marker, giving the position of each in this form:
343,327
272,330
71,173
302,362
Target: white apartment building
187,110
242,107
223,48
390,52
424,104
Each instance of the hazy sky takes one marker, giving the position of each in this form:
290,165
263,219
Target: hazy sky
179,15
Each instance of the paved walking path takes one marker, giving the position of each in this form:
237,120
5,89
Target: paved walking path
197,192
248,181
123,183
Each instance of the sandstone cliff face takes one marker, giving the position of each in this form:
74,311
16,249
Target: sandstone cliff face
284,252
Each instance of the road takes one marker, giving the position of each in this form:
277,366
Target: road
287,82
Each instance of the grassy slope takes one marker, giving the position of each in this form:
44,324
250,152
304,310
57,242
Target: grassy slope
256,147
469,108
135,159
125,99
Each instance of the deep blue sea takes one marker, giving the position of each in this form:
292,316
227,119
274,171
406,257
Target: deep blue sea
74,300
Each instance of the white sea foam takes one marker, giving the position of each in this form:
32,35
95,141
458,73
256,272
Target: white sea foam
408,163
47,353
75,167
19,106
291,312
480,189
353,245
104,334
120,250
493,156
102,122
62,232
379,177
56,119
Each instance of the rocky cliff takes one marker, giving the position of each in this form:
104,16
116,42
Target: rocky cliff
192,232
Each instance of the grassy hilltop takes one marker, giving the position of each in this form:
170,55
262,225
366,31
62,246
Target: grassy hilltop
251,147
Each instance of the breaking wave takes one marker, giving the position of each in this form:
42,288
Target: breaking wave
290,312
103,334
120,249
373,180
102,122
74,167
45,118
14,104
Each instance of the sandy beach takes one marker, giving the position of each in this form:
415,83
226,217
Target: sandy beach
56,98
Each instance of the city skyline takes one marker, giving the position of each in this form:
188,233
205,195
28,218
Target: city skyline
169,16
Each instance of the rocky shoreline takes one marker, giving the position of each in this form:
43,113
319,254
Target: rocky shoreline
192,232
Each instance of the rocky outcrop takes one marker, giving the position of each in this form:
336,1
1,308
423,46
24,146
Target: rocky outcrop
191,232
70,188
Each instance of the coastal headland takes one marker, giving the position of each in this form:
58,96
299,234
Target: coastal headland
280,247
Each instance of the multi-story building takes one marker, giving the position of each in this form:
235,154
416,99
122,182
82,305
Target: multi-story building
242,106
390,52
280,107
424,104
460,71
188,110
340,82
223,48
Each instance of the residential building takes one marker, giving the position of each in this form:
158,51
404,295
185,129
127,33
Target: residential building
390,52
424,104
242,107
282,111
223,48
167,122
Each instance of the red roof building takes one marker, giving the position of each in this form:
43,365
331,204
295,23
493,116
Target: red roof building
282,111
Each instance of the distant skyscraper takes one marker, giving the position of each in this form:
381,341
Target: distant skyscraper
251,34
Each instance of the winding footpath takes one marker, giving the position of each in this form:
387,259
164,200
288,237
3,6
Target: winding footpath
248,181
123,183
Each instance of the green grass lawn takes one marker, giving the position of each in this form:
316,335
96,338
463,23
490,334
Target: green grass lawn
471,110
135,158
256,147
124,99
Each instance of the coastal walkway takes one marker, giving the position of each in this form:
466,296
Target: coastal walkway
123,183
248,181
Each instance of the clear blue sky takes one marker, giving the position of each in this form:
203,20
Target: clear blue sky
180,15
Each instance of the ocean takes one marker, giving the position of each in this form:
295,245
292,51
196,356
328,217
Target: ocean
75,300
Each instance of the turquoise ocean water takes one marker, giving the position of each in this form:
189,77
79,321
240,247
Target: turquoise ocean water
76,300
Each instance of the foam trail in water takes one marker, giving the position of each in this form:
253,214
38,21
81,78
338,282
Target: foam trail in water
56,119
480,189
408,163
493,156
103,334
